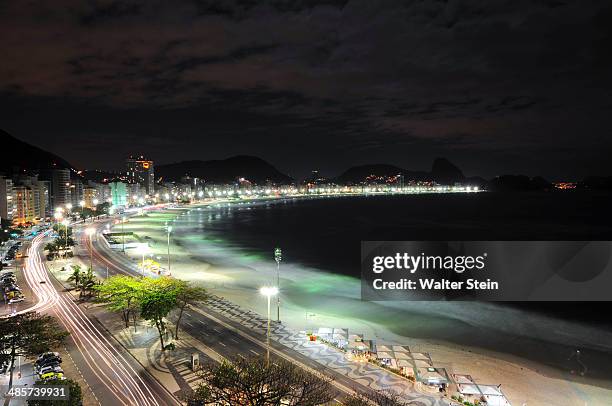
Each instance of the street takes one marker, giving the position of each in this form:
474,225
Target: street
115,375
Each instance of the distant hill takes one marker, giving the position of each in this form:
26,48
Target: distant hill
18,155
442,171
596,183
100,176
517,183
228,170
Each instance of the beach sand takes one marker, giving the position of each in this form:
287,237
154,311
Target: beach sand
312,299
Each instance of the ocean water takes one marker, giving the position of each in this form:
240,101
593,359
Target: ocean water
324,234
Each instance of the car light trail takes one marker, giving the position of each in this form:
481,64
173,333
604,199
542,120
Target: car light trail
104,360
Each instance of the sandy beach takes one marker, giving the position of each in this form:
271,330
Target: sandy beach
311,298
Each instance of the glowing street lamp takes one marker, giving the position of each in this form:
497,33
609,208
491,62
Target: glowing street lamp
90,231
65,224
144,250
268,291
123,219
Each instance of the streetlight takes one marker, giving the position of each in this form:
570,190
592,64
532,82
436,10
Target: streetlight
90,231
65,224
143,249
123,219
278,257
169,229
82,204
268,291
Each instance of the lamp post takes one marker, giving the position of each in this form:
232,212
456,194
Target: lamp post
123,231
169,229
58,218
95,204
143,249
90,231
82,204
278,257
268,291
65,224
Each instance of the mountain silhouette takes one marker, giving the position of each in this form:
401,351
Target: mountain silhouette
19,156
228,170
442,171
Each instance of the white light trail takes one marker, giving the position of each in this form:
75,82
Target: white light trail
102,357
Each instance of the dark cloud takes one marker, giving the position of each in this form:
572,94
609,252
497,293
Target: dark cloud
495,85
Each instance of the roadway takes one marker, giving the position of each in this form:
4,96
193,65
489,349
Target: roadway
114,375
225,336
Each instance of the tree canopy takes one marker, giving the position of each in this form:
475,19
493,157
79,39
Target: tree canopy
153,298
74,390
28,334
255,382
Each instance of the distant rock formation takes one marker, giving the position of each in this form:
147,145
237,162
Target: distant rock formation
519,183
444,172
596,183
229,170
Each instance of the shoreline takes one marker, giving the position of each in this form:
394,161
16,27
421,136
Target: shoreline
522,380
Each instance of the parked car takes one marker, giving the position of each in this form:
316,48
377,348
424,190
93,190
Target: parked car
51,368
52,375
50,362
49,354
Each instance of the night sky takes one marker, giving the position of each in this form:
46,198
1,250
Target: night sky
495,86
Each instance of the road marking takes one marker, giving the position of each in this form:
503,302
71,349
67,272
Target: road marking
281,354
222,344
254,352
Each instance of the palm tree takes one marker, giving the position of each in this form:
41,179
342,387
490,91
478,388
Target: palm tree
52,248
88,281
75,277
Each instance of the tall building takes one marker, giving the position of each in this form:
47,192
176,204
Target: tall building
103,191
7,200
59,191
119,193
141,171
24,204
76,192
44,198
40,195
90,195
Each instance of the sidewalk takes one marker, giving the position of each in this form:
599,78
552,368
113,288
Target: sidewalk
28,378
172,368
364,373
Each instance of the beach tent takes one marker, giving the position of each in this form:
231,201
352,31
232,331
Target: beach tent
433,376
493,394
